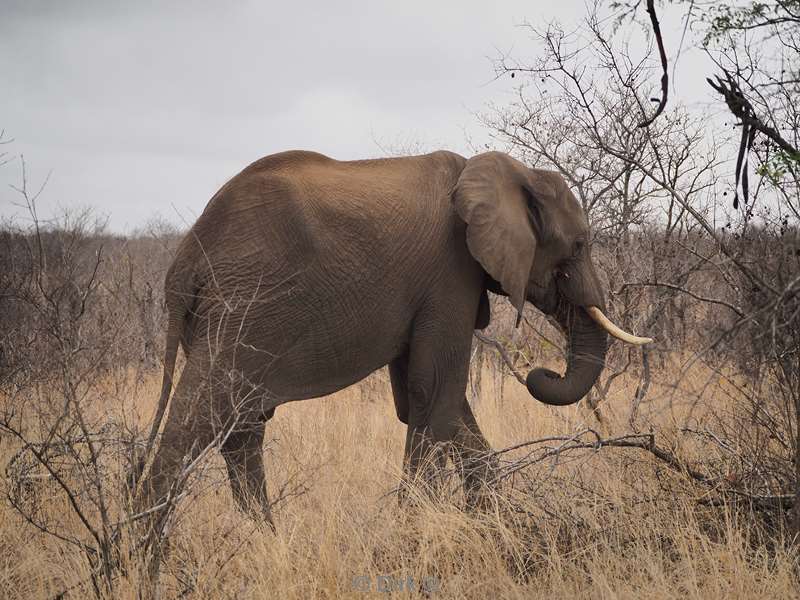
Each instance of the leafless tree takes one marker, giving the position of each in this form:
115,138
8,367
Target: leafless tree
718,286
81,321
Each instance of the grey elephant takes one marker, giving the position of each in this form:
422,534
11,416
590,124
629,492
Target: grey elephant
305,274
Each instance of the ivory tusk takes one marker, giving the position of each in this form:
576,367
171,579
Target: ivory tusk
604,322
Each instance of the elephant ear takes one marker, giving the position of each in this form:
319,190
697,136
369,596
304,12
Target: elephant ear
494,199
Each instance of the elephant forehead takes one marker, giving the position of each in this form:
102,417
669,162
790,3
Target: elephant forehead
567,218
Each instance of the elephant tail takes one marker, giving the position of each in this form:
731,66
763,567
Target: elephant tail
174,331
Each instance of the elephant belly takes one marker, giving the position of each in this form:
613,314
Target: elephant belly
313,366
296,346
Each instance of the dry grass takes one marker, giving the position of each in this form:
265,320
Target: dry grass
615,527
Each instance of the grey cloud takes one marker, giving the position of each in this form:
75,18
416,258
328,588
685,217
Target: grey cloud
139,106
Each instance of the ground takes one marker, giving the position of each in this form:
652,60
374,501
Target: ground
594,524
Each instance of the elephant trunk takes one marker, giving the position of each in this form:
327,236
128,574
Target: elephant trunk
588,342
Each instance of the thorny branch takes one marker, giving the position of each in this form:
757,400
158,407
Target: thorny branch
558,448
503,354
683,290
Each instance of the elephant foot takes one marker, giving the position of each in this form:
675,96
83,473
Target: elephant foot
480,477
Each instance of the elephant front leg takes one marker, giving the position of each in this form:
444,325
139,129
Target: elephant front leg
435,386
419,447
424,462
472,456
424,458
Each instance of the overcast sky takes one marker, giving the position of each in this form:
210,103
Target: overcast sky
146,108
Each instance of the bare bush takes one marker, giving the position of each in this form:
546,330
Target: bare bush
713,286
80,333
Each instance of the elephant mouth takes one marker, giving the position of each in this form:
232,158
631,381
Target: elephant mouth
613,330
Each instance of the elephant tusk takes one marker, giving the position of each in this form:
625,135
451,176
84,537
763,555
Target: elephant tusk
598,317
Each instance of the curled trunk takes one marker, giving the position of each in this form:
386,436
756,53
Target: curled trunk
585,360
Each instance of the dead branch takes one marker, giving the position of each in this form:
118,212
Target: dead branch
503,354
679,288
662,103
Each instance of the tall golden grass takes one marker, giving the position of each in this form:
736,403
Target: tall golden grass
602,523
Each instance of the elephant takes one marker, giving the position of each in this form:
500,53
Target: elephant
304,274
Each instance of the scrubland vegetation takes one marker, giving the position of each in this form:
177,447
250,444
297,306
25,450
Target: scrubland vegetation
678,476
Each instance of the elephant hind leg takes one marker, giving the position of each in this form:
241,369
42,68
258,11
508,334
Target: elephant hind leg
187,432
244,458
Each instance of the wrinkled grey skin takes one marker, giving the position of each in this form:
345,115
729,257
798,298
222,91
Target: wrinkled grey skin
305,274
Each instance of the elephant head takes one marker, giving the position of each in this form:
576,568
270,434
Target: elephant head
531,236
